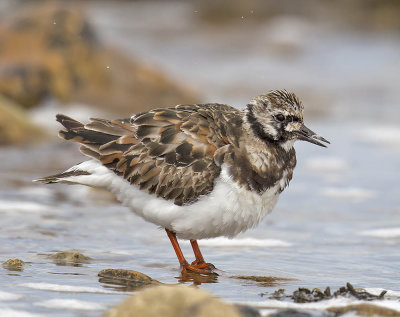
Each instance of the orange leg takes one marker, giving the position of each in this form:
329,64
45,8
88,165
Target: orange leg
177,248
185,266
199,262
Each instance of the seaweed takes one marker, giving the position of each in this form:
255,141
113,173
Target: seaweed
305,295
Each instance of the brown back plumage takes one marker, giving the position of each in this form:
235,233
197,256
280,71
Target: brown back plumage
168,152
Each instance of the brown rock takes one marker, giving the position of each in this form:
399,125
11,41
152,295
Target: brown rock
15,125
70,258
127,280
364,310
173,301
379,15
14,265
49,49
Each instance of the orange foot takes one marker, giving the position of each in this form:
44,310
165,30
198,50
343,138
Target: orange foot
199,267
203,265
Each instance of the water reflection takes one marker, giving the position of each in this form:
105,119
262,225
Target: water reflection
198,279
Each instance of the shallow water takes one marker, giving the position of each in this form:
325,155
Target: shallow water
338,222
320,234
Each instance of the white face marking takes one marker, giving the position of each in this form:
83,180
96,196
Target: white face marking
293,126
270,129
288,145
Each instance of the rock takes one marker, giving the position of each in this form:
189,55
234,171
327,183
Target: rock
364,310
15,126
127,280
363,15
247,311
291,313
14,264
264,280
173,301
70,258
227,11
50,50
305,295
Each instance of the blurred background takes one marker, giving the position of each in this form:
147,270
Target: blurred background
340,217
121,57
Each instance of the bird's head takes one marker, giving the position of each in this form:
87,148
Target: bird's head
277,117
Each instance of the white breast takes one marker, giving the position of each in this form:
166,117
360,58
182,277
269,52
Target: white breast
228,210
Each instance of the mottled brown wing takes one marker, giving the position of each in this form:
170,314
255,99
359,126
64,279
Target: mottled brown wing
116,135
168,152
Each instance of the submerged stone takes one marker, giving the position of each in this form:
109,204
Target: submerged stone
247,311
14,264
70,258
264,280
291,313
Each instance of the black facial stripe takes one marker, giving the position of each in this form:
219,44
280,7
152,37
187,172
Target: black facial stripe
257,127
292,119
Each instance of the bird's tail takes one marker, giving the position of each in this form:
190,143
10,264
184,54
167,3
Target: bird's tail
103,140
64,177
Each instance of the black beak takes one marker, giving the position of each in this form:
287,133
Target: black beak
306,134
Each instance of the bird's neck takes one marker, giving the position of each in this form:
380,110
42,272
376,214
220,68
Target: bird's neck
258,163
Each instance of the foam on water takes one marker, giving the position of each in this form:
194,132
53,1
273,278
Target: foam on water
41,192
383,233
322,305
5,296
8,312
72,304
354,194
378,291
66,288
22,206
245,242
391,304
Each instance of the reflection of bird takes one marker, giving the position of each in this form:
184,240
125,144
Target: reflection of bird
199,171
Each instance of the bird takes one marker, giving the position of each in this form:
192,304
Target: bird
199,171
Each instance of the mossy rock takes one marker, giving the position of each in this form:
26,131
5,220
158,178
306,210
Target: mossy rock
127,280
50,49
14,264
15,126
173,301
72,258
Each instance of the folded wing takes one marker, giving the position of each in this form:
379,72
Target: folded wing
168,152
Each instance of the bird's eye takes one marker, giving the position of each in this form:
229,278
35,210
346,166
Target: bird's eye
280,117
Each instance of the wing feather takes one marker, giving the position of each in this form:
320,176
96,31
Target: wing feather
168,152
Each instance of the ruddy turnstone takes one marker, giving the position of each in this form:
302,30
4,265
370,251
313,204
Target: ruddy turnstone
199,171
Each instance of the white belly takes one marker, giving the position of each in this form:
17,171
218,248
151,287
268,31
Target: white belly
226,211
